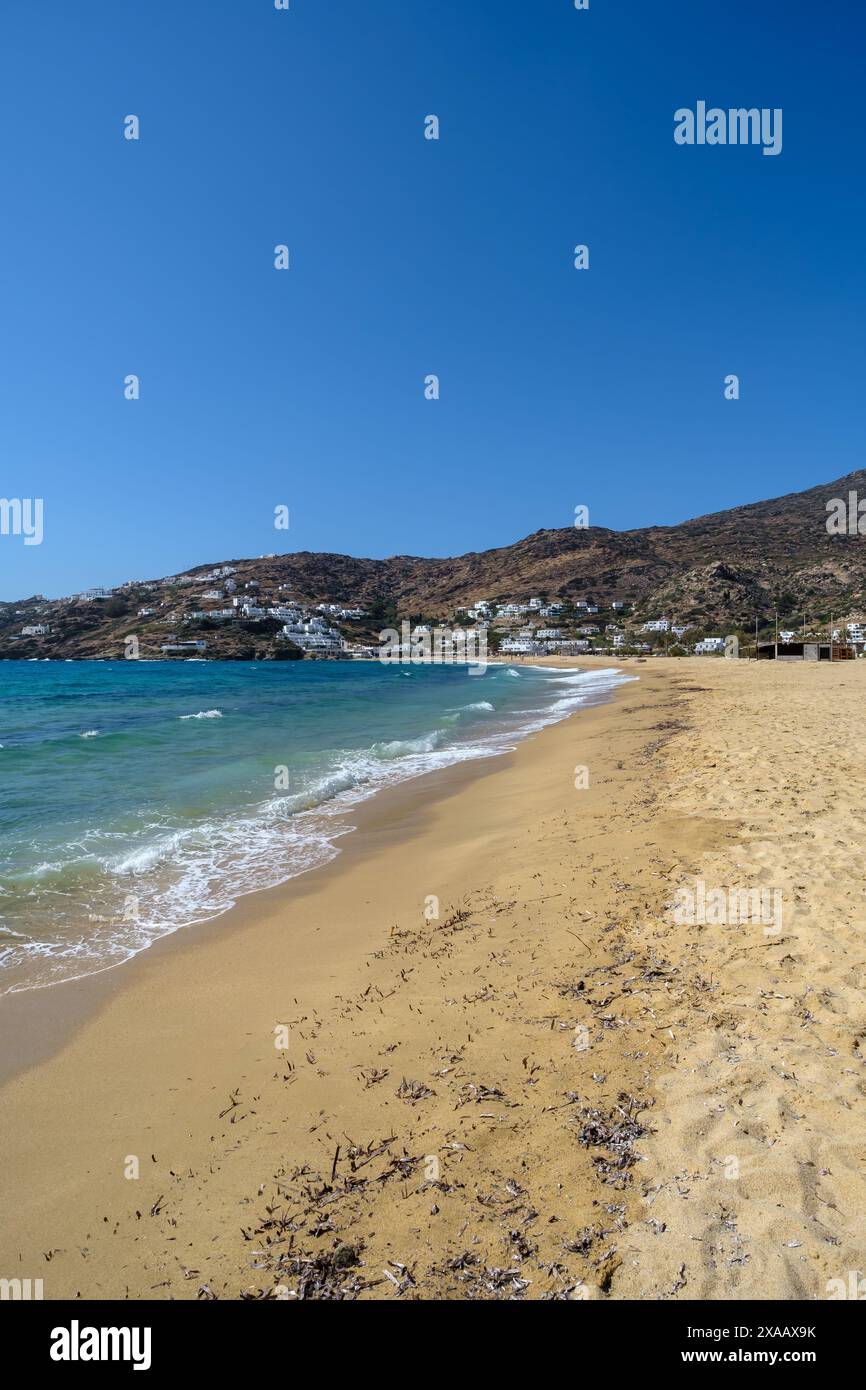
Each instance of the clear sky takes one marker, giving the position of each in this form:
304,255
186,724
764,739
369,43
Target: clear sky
305,387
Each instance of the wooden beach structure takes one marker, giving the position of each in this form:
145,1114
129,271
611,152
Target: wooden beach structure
806,650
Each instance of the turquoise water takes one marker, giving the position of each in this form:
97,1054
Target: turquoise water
138,797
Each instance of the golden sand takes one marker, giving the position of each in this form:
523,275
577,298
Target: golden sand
549,1089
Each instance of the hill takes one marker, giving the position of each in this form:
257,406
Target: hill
720,570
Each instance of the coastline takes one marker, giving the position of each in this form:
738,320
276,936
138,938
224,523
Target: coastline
36,1021
86,894
555,1137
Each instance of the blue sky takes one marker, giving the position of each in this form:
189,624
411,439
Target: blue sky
305,388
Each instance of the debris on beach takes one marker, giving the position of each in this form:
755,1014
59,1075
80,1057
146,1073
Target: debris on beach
616,1131
413,1091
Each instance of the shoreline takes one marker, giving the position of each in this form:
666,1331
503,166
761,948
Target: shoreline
154,1072
548,1089
32,1029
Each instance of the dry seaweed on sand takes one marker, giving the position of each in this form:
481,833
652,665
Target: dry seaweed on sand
616,1131
400,1167
482,1281
330,1275
480,1094
374,1076
413,1091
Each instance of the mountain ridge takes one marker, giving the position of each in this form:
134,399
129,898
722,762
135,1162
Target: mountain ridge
723,567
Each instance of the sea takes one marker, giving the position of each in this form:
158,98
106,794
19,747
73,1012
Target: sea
140,797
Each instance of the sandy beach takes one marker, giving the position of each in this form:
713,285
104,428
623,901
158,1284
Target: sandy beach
480,1055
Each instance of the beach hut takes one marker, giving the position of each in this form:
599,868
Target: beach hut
814,650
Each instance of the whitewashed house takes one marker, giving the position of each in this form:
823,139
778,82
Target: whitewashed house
657,625
520,646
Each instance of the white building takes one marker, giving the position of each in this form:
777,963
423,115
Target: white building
549,633
220,572
36,630
337,610
313,635
710,646
522,646
88,595
657,625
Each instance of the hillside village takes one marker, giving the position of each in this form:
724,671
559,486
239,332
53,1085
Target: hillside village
219,613
225,612
671,589
676,590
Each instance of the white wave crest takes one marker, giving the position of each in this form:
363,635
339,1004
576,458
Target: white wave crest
406,747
